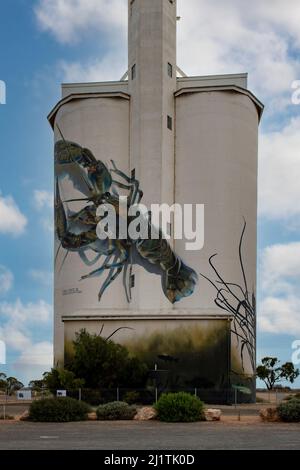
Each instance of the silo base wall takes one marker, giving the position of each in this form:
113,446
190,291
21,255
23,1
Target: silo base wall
189,354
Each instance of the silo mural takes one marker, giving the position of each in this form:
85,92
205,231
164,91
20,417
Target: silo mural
159,138
77,231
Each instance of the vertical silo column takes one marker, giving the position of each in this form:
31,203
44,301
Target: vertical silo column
152,83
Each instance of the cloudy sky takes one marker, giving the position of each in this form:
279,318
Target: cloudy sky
46,42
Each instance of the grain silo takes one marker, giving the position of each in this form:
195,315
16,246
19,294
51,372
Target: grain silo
161,138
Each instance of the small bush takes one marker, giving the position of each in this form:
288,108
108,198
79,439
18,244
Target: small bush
290,411
131,397
58,410
292,397
176,407
115,410
260,400
7,417
92,397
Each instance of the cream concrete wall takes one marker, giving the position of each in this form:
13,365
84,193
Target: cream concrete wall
93,87
138,328
237,79
216,165
102,125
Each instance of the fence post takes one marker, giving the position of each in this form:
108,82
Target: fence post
195,391
79,394
156,395
4,407
118,394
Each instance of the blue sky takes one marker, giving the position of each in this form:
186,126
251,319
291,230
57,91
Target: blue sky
46,42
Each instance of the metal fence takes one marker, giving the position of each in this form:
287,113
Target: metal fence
150,395
143,396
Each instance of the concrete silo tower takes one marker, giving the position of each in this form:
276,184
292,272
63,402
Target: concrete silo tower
180,140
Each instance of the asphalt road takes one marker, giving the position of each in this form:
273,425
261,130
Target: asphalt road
149,435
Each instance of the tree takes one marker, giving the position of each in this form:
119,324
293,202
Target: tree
288,372
37,385
105,364
61,379
3,384
271,372
9,384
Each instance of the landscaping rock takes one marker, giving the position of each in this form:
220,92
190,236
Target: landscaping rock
212,414
23,417
92,416
269,414
146,413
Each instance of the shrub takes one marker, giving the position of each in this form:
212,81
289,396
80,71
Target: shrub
101,363
8,417
292,397
116,410
62,379
176,407
260,400
58,410
92,397
289,411
131,397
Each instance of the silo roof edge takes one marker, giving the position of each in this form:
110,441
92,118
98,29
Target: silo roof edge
199,89
80,96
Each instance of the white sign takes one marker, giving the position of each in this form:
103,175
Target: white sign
24,394
61,393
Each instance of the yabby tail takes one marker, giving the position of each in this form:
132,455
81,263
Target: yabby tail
179,280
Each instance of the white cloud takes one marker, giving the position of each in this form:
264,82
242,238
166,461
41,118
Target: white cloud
43,199
218,37
279,172
30,313
67,20
280,263
6,280
44,203
109,68
42,277
12,221
37,354
288,19
16,338
48,224
280,315
18,322
279,310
